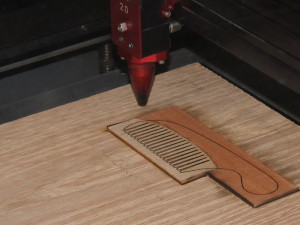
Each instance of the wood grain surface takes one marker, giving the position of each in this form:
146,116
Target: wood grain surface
61,166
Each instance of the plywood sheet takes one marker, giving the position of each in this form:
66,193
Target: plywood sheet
61,166
187,149
166,148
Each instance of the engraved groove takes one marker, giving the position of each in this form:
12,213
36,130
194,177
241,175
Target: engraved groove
167,143
182,169
161,136
166,146
181,160
189,159
175,152
144,133
182,155
174,149
137,128
189,164
151,134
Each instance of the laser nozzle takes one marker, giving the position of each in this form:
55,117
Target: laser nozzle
142,77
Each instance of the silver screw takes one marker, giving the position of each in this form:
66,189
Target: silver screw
161,62
122,27
167,14
175,26
121,39
84,28
130,45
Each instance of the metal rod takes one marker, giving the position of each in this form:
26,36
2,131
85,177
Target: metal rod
54,53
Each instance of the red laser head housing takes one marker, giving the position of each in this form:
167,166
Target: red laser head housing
140,29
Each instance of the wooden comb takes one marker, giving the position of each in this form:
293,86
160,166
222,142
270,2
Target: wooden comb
186,149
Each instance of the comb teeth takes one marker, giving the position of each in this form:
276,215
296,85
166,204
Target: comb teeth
174,149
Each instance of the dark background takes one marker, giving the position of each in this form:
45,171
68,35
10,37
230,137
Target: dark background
56,51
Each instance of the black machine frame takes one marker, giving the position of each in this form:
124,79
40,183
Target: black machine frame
253,44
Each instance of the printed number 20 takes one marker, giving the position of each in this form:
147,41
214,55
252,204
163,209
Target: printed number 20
124,8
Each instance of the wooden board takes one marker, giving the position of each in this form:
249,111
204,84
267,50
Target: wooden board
166,148
187,149
61,166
